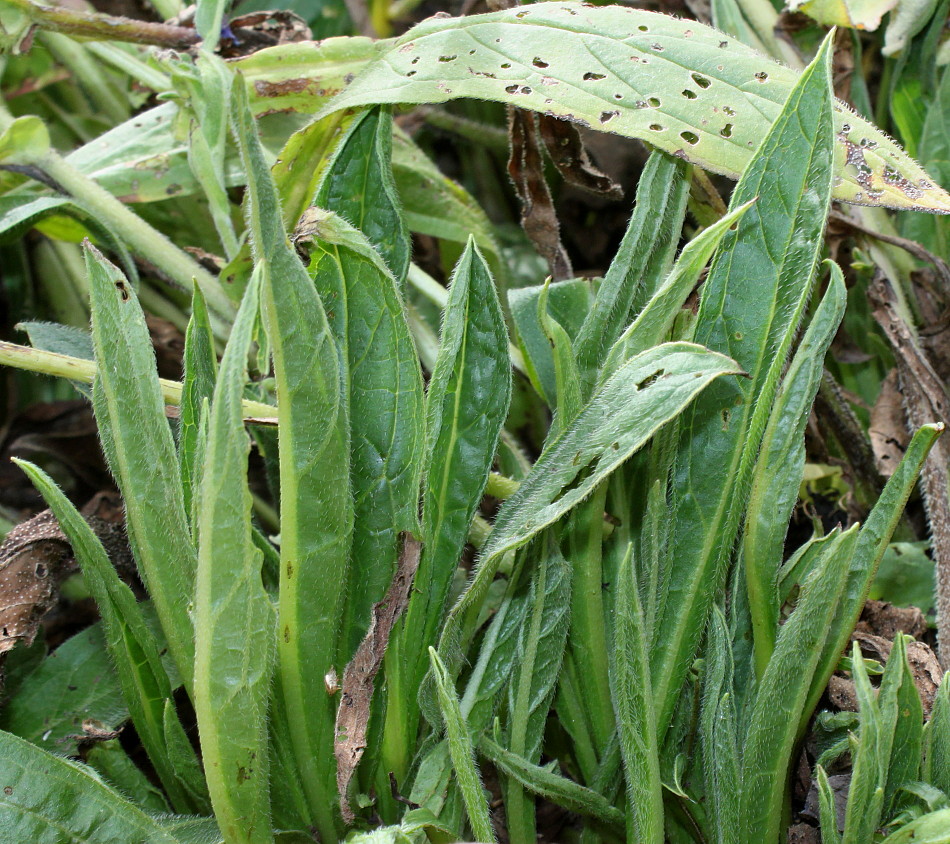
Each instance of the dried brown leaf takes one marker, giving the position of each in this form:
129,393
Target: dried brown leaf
538,218
352,720
566,149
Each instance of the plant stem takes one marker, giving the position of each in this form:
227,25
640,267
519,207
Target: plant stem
150,244
84,371
106,27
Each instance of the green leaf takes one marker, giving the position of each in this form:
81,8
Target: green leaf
644,394
936,748
316,504
656,318
826,806
538,656
466,405
234,619
643,259
869,761
358,185
632,695
75,682
933,828
568,303
435,205
631,80
566,376
130,643
551,786
200,371
460,749
382,390
903,766
782,694
780,467
137,441
777,242
719,734
24,141
47,800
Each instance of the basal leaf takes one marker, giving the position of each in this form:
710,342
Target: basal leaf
676,84
358,185
642,260
466,405
776,243
463,757
137,441
47,800
632,695
234,619
780,467
74,682
316,504
383,396
143,679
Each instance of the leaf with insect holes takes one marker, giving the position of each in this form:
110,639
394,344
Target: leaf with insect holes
679,85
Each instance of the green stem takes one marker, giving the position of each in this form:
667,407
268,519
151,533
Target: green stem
153,246
105,27
84,371
588,637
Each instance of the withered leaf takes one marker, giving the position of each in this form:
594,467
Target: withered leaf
925,400
538,218
566,149
352,719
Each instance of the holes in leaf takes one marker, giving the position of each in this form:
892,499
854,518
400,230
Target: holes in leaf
618,96
723,45
538,62
643,28
656,127
578,480
651,379
521,15
846,127
726,131
606,116
761,76
525,90
415,60
653,102
702,81
690,95
505,65
593,77
411,73
657,47
690,137
512,89
730,111
447,58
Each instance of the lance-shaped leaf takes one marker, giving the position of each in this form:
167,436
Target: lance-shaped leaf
780,466
463,756
47,798
316,507
783,691
677,84
200,372
538,657
466,405
145,683
936,757
632,695
137,441
776,243
382,389
359,186
642,259
644,394
234,618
